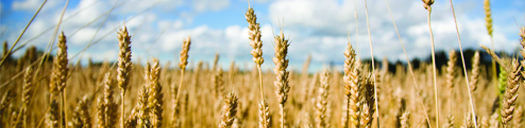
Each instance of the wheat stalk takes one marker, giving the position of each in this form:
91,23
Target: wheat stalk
410,68
8,52
373,66
155,99
255,41
108,108
60,73
469,121
474,117
182,65
281,78
351,80
229,110
427,4
124,67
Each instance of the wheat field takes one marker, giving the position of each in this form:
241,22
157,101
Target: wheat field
41,91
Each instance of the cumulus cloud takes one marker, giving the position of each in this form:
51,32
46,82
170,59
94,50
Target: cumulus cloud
324,26
26,5
315,27
33,5
203,5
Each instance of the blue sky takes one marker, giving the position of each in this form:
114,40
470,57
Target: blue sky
315,27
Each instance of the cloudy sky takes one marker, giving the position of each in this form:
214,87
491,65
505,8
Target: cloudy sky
316,27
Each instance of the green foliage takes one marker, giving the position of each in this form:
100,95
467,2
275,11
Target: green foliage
502,79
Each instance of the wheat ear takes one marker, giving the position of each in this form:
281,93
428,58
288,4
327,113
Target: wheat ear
368,110
373,68
264,115
53,115
60,74
404,120
511,94
518,117
488,24
107,107
155,100
450,122
215,62
469,121
81,116
124,67
27,94
475,72
355,93
522,41
182,65
218,82
322,101
143,110
281,78
255,41
451,72
229,110
351,79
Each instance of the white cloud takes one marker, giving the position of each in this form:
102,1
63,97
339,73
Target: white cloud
324,25
33,5
26,5
314,27
140,5
214,5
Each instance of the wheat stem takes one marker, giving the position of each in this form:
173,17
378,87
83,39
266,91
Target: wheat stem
464,68
373,66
